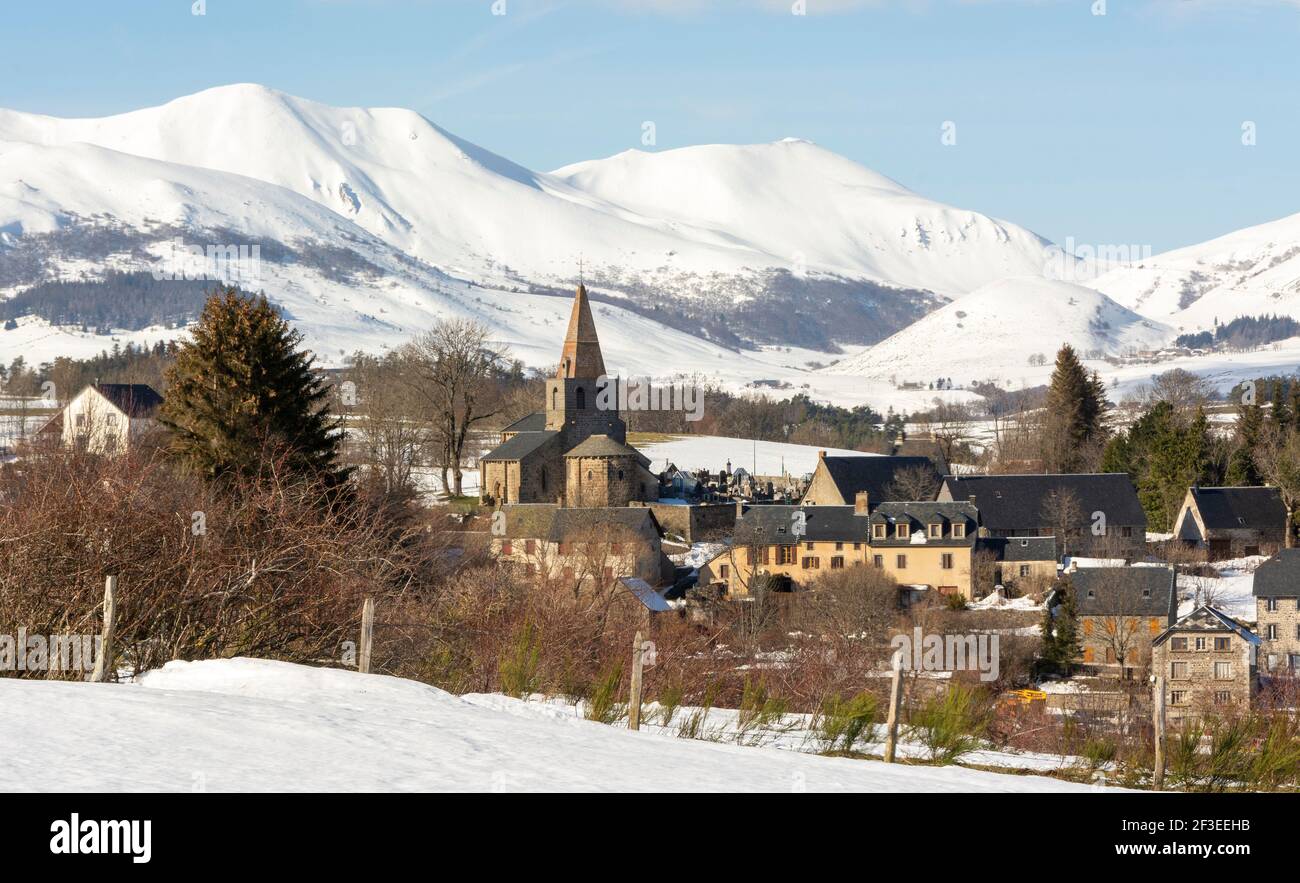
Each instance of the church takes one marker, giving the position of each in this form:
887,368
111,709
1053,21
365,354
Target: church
574,453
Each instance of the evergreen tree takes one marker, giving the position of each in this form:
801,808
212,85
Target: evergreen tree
242,391
1281,413
1061,628
1075,414
1242,468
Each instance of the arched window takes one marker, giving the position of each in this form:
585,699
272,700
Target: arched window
588,475
580,398
555,397
620,475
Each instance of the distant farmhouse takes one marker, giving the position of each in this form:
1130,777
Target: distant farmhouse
106,418
837,481
1096,513
574,453
1229,522
1277,612
1208,660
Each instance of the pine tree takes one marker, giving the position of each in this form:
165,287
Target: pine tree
1061,628
1075,412
1242,468
242,392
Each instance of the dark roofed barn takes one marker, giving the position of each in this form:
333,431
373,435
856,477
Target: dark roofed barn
1228,522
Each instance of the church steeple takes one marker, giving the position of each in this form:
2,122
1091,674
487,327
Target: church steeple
581,355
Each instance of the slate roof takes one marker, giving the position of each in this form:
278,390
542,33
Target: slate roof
535,422
547,521
871,474
1234,508
775,523
1279,576
1020,502
920,514
1021,548
1207,619
135,400
520,446
1126,591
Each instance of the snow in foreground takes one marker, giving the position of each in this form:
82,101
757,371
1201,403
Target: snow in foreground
257,725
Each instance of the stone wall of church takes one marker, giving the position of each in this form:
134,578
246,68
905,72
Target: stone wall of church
602,481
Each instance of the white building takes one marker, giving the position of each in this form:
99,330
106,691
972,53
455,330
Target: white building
106,418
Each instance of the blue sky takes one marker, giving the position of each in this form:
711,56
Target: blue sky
1116,128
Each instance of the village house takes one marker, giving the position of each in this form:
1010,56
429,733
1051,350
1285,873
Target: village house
1121,611
1090,514
922,544
108,418
1208,660
1228,522
1277,613
1022,564
583,548
575,452
838,480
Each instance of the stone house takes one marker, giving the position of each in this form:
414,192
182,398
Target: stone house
838,480
583,548
923,544
1228,522
1022,564
1121,611
1208,660
1091,514
1277,613
108,418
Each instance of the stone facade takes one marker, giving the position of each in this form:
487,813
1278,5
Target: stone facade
1278,623
1208,661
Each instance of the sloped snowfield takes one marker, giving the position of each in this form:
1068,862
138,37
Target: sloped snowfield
257,725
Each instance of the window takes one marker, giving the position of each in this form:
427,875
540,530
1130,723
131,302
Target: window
1024,570
901,531
839,547
877,560
959,530
1177,643
901,562
1293,660
1126,531
580,398
945,561
1153,626
81,421
857,547
724,571
837,562
936,531
1223,671
749,556
811,563
1200,644
505,548
785,555
530,546
110,419
1222,643
878,530
1271,632
1222,697
1270,605
1087,626
1178,697
620,475
808,546
1178,671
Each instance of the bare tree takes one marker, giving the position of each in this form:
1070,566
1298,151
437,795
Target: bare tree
913,483
451,368
381,414
1278,459
1064,514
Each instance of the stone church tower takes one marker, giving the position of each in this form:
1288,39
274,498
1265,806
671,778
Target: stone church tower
575,452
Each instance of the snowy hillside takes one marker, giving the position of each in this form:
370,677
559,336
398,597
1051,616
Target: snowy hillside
254,725
1249,272
801,202
992,333
759,230
712,452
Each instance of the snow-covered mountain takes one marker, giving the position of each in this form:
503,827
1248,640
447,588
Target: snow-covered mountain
1249,272
754,232
997,332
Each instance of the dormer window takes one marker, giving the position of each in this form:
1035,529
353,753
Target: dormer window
936,531
959,530
879,530
901,530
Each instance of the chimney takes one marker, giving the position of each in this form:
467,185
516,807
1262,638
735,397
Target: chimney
821,455
971,498
740,507
860,503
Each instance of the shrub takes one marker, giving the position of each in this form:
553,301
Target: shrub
841,723
950,725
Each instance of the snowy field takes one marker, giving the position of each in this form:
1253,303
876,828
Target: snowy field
1232,591
256,725
691,452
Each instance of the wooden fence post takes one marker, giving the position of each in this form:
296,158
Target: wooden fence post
104,663
634,700
367,635
895,706
1158,715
